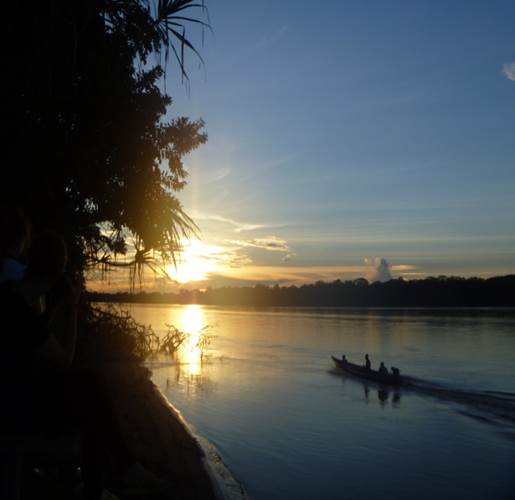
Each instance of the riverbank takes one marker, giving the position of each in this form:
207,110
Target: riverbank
162,440
155,433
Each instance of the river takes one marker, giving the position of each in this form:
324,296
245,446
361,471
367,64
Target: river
266,395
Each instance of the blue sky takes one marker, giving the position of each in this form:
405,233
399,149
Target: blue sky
345,130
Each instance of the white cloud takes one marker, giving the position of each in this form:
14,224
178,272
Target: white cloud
379,269
271,243
509,70
288,257
239,227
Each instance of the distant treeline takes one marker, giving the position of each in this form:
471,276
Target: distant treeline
441,291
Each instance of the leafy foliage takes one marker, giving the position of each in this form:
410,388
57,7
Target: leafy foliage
91,149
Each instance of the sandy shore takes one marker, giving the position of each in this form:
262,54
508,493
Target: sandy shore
162,440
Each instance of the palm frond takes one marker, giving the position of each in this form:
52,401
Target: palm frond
172,29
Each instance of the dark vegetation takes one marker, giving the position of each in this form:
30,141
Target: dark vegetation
92,149
112,334
430,292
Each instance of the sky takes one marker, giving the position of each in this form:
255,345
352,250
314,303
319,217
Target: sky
346,132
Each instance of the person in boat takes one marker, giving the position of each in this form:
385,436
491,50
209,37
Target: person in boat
344,359
368,365
396,373
383,371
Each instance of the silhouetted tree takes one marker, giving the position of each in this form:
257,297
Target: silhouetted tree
444,291
91,151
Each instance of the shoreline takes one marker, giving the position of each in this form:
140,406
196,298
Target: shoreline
467,309
163,440
226,486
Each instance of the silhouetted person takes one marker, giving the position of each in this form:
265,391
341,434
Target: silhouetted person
42,393
383,371
396,373
14,243
368,365
344,359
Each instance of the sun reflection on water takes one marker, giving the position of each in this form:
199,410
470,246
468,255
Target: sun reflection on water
192,322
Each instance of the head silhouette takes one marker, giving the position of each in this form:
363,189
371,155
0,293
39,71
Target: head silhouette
14,233
47,259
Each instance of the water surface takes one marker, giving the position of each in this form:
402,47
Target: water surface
289,426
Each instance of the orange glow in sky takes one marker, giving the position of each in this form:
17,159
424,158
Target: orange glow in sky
196,261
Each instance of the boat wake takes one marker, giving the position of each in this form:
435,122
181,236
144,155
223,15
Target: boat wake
494,407
497,403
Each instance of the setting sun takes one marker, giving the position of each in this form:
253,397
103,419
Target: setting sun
195,262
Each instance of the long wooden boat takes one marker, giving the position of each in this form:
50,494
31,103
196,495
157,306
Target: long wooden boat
362,372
